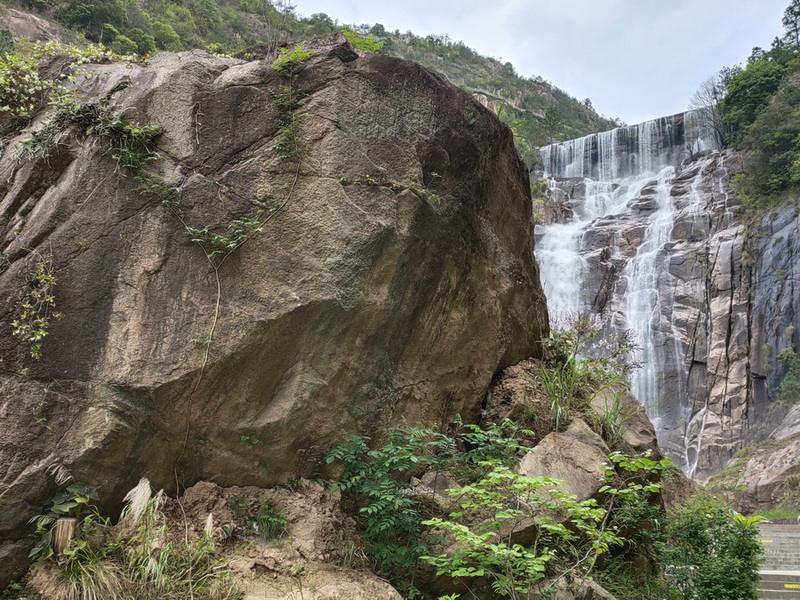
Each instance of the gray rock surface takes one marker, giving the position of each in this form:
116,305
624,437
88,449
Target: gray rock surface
698,361
575,456
393,282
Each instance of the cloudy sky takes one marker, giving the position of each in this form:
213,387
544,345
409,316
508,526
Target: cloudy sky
635,59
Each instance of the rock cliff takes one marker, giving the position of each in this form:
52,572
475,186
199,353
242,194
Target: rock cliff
653,238
387,273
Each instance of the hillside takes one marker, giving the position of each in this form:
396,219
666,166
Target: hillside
539,112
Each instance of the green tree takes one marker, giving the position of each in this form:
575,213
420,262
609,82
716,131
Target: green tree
89,16
750,91
553,118
6,42
207,15
166,38
320,23
712,552
145,43
124,45
791,22
772,142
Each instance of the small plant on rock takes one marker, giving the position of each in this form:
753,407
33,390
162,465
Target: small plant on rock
37,307
576,368
270,522
290,62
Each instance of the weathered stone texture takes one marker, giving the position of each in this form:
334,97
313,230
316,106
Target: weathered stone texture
393,282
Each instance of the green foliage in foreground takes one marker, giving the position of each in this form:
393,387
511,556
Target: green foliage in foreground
390,517
568,536
695,554
712,552
403,531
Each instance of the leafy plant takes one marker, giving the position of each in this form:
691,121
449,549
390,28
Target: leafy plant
486,547
77,501
270,522
37,307
611,420
365,44
217,246
559,530
290,62
22,90
130,143
711,552
578,367
390,518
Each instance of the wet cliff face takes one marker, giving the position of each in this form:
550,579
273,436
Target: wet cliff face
655,245
391,274
666,251
776,299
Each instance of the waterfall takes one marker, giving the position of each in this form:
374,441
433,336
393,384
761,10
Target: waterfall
619,187
644,315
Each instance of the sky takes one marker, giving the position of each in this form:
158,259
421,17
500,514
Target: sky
634,59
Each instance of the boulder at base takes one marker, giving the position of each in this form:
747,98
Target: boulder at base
390,273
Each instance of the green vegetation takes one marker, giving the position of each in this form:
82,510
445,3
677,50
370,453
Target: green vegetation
402,530
576,370
366,44
713,552
37,306
265,522
506,535
538,112
756,109
513,536
22,91
789,391
140,557
270,523
568,536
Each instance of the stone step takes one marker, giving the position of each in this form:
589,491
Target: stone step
779,584
781,545
777,595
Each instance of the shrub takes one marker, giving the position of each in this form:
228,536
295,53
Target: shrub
579,365
137,558
712,552
22,91
37,307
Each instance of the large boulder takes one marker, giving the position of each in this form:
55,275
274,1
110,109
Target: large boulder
576,456
391,276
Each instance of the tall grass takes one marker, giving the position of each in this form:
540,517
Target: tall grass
139,558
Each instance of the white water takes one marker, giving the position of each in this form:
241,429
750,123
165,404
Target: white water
644,315
626,170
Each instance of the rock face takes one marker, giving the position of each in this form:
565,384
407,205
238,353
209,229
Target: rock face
661,254
769,476
574,457
656,243
775,305
26,25
391,275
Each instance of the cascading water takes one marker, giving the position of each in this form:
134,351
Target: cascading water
618,186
